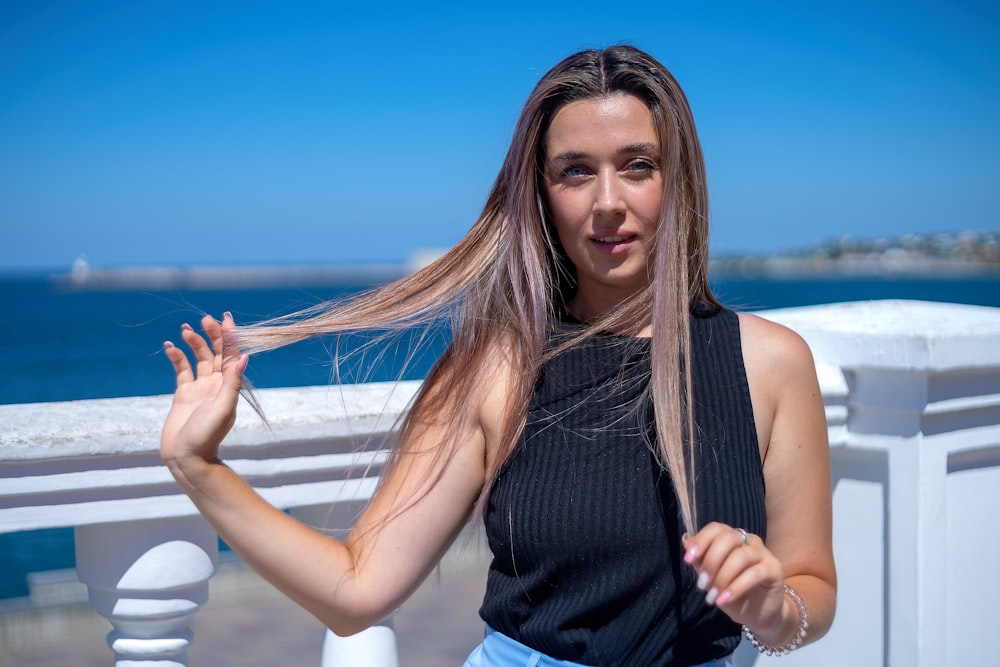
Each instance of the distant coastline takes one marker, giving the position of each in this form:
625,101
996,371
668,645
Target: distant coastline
225,277
944,256
794,267
953,255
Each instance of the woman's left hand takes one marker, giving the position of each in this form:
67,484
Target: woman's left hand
738,575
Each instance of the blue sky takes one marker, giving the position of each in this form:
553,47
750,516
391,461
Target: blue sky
177,132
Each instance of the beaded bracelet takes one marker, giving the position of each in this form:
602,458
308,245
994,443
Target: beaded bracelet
800,634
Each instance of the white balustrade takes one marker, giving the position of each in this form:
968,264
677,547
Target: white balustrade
142,549
912,395
148,578
916,467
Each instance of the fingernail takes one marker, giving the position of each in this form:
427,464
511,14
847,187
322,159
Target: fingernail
691,554
167,345
186,326
703,581
710,597
227,315
723,598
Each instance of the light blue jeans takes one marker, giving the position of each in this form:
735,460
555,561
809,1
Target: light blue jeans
498,650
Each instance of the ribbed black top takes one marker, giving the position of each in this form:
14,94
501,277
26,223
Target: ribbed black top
583,524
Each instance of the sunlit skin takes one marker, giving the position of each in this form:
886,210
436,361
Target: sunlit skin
604,185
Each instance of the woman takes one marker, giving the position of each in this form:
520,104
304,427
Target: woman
613,425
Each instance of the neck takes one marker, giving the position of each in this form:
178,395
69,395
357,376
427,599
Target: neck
590,310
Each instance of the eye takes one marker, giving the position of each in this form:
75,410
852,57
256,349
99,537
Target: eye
640,167
574,171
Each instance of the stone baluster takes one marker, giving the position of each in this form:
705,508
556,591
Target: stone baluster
374,647
148,578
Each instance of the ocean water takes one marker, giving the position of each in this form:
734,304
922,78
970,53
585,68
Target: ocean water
59,345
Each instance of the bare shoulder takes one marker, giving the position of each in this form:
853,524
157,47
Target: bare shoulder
781,376
776,358
770,343
467,398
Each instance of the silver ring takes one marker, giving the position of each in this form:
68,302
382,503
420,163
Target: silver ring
216,370
743,535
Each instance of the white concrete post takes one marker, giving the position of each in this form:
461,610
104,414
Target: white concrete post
148,578
916,475
374,647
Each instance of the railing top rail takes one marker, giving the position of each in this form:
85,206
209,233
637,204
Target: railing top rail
898,334
97,461
38,431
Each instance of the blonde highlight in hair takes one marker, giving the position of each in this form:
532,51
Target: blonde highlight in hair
506,282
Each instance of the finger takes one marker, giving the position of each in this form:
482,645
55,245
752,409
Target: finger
232,377
179,360
699,547
737,562
203,354
736,591
227,347
695,545
213,329
708,550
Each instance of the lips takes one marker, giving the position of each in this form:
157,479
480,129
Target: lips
612,243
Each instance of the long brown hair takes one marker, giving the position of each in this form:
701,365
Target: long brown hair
503,285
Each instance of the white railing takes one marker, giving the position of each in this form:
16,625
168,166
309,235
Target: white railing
142,550
912,393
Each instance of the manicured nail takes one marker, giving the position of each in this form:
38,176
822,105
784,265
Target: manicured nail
167,345
724,597
691,554
710,597
703,581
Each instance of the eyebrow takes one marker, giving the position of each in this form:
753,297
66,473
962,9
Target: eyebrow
631,149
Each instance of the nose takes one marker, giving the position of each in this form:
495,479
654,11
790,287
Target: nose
609,196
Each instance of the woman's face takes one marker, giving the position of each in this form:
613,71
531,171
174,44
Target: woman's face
604,185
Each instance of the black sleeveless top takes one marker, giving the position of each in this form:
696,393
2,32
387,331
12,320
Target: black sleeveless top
584,524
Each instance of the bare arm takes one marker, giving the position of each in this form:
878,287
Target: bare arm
747,580
398,539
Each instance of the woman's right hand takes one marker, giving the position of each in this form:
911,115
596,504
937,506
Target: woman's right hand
204,405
